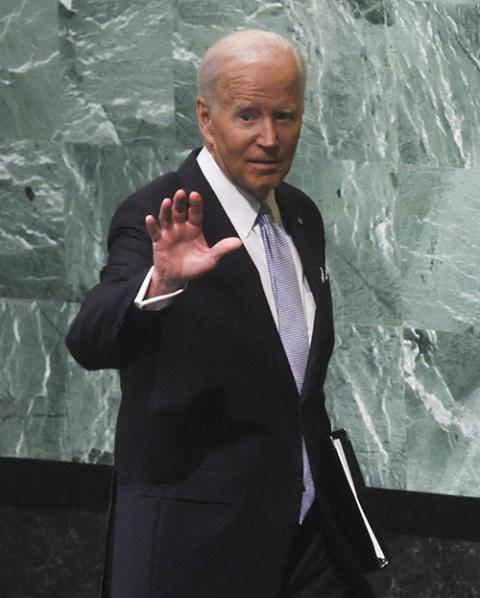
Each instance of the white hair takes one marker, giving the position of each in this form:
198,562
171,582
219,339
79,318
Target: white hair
247,46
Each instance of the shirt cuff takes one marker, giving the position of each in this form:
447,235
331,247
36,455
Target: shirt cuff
154,303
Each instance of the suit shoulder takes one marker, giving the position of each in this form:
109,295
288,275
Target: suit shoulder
298,195
304,204
150,195
146,200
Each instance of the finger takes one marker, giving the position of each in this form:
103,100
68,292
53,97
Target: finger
225,246
195,210
165,214
152,228
179,212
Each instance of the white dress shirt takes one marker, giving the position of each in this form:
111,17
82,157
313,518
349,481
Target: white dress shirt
242,210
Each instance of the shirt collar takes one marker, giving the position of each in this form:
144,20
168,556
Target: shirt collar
241,208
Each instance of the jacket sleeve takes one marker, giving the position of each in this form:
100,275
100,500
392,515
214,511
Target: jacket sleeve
110,331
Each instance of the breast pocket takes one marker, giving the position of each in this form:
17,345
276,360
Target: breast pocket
309,307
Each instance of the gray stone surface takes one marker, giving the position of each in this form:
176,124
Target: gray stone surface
429,568
51,553
54,553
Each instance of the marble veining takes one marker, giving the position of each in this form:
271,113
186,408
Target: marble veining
97,179
118,55
34,419
97,98
440,247
357,201
32,232
443,410
435,52
30,81
365,388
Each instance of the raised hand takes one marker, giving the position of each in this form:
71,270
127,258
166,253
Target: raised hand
180,252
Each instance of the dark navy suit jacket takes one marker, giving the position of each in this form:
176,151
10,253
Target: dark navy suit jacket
208,458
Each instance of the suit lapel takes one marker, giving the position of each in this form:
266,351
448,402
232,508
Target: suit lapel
238,270
309,243
306,241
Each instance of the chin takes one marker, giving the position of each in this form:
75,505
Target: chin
269,183
259,187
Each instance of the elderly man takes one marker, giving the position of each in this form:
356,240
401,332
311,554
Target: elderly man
215,307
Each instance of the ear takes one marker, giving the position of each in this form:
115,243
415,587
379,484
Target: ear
204,118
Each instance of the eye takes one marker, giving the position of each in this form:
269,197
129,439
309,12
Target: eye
285,116
246,116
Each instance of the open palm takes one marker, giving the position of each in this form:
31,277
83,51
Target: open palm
180,251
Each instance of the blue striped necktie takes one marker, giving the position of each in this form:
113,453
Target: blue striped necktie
292,325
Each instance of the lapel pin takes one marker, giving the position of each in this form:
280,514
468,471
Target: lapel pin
299,220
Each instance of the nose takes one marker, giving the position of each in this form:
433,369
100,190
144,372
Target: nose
267,136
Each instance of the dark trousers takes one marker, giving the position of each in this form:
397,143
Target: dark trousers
311,572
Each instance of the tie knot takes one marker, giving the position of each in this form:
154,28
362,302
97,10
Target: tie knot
265,216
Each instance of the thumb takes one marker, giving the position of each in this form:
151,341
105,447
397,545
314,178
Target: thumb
225,246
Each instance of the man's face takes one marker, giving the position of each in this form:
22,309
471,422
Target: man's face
252,129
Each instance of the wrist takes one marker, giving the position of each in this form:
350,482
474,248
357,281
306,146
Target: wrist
160,285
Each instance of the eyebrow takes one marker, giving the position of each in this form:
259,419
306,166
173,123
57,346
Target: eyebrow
287,109
244,106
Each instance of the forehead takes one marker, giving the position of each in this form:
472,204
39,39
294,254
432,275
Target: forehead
276,79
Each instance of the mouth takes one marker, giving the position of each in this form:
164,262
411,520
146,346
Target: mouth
265,164
264,161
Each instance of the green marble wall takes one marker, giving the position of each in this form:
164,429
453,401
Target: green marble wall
96,98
